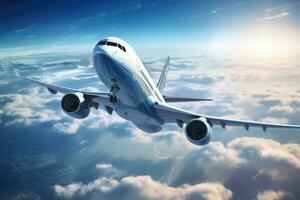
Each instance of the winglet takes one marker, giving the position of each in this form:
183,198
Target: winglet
163,76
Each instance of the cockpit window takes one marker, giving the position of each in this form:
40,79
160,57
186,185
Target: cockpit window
102,42
112,44
108,43
120,47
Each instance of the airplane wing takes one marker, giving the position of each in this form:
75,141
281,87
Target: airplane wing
54,88
96,97
172,114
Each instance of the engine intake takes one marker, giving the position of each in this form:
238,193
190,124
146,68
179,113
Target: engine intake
73,107
198,131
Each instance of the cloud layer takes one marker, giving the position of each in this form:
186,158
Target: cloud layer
111,157
143,187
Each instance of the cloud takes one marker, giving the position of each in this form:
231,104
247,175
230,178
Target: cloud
213,162
161,141
279,161
230,6
69,127
273,17
103,166
32,106
96,120
144,187
282,108
217,161
101,118
214,11
130,8
186,163
29,108
273,195
25,29
282,7
102,184
108,169
84,19
275,120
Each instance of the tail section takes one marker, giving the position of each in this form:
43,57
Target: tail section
163,76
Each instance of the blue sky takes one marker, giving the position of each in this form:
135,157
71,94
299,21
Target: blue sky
192,24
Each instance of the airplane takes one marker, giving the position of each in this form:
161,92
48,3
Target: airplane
134,96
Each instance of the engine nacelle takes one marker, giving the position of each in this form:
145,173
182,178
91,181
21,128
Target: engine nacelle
198,131
72,106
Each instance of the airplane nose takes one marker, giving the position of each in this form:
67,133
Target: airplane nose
99,50
103,61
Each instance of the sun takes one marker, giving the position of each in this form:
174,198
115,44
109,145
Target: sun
257,41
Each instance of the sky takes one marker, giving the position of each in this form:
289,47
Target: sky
271,26
242,54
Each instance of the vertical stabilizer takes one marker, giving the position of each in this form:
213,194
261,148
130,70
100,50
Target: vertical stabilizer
163,76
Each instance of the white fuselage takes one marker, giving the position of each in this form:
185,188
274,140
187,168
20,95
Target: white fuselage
119,67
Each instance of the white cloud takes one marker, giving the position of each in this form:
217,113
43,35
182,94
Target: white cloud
103,166
144,187
268,156
272,195
216,152
96,120
101,118
102,184
69,127
212,162
282,108
272,17
217,161
275,120
282,6
108,169
29,108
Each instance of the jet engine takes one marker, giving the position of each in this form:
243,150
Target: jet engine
198,131
74,107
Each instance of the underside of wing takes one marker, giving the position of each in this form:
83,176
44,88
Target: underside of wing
170,114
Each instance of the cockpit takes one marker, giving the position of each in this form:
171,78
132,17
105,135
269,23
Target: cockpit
114,44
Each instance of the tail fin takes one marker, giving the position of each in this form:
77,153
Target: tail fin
163,76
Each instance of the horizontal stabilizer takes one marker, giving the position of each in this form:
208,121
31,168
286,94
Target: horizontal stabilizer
184,99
